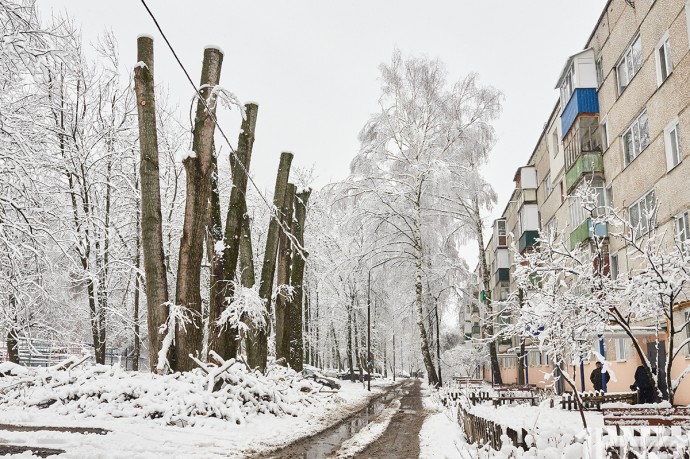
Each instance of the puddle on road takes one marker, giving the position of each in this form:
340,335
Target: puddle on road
328,441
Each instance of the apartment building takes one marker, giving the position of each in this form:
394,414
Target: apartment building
621,123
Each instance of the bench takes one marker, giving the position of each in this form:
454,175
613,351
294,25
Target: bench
647,416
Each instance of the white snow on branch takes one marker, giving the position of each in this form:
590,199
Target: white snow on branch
245,310
181,156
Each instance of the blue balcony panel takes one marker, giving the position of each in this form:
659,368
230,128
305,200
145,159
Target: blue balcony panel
583,100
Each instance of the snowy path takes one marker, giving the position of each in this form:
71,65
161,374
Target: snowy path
389,428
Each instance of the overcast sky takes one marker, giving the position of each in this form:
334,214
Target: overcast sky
312,66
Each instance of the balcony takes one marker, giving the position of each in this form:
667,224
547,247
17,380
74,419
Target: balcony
528,240
587,230
586,163
583,100
526,196
502,275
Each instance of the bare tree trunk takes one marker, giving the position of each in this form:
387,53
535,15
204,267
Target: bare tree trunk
294,307
486,282
438,345
337,348
283,273
13,333
151,220
137,279
224,339
350,307
199,169
215,256
419,299
246,255
257,351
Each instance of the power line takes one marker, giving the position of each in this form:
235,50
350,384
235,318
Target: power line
270,206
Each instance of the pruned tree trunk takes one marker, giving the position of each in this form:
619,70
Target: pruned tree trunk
283,273
223,339
151,220
247,276
215,256
136,352
199,169
294,307
257,351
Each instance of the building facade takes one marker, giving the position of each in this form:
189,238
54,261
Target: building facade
622,124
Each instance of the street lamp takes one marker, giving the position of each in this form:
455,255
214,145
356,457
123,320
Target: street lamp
369,362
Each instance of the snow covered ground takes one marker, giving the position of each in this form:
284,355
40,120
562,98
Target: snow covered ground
141,437
441,436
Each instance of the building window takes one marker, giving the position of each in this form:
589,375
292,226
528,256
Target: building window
629,65
605,134
635,138
576,211
501,233
682,229
548,186
554,142
672,145
642,214
609,197
614,270
620,349
568,86
552,227
600,71
664,66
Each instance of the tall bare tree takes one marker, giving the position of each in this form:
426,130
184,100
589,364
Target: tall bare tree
199,170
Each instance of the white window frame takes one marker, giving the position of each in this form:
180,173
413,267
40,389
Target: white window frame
554,142
643,211
568,86
548,186
671,136
681,226
638,141
614,267
663,70
605,133
626,67
621,349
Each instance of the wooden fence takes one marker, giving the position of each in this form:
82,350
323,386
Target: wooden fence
485,432
594,400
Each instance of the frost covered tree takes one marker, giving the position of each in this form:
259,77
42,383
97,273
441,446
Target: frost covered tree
570,299
412,151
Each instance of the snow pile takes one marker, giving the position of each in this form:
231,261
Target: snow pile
181,399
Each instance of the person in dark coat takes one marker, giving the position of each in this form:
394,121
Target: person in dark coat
644,385
595,377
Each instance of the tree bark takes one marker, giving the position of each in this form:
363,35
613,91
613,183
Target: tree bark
13,333
257,351
247,276
199,170
350,307
294,307
224,340
151,220
486,283
216,288
283,274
